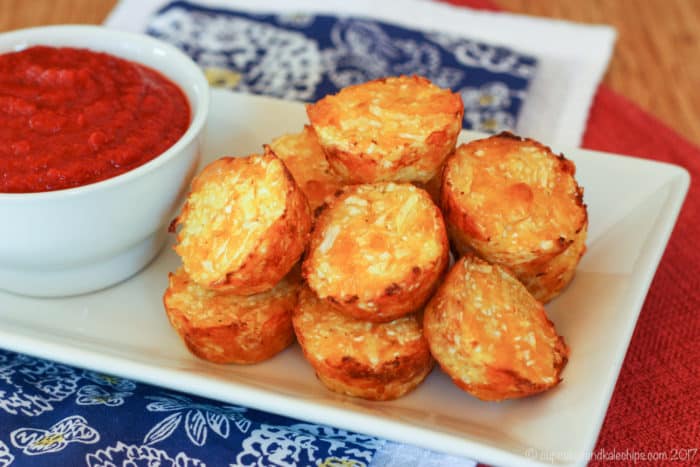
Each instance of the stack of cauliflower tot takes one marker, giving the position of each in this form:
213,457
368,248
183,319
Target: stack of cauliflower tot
338,235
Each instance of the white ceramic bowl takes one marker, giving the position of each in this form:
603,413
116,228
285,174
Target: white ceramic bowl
82,239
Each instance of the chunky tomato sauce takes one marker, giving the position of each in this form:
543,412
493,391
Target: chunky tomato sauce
70,117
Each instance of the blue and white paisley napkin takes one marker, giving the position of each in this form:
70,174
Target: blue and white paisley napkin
534,76
531,75
56,415
303,56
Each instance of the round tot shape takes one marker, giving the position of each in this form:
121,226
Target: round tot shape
389,129
244,225
226,328
376,361
513,202
490,335
377,252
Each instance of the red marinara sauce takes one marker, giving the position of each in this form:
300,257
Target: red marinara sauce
70,117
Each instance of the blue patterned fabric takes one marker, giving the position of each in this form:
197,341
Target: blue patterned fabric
304,57
56,415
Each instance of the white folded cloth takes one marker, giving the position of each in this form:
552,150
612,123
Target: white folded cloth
571,58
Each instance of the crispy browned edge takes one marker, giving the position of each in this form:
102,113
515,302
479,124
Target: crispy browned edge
346,375
547,280
277,334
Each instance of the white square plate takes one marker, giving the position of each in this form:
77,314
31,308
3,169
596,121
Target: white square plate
633,205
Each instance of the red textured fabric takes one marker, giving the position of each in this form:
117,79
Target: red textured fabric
656,404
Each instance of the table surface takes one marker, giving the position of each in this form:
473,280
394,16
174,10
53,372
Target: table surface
654,63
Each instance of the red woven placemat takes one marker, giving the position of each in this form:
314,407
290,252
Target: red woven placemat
656,404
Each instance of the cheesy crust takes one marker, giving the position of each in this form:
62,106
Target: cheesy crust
305,159
513,202
546,280
244,225
376,361
226,328
390,129
377,252
490,335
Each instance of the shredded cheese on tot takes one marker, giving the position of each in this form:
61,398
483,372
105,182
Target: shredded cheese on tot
490,335
373,238
512,199
378,251
233,203
377,361
398,128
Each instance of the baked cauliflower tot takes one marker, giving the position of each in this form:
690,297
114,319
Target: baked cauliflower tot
490,335
244,225
226,328
376,361
513,202
390,129
307,163
377,252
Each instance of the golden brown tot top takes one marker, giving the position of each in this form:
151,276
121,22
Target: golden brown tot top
244,225
377,251
490,335
390,129
515,203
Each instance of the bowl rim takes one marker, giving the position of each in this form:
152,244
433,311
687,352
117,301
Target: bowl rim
200,102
